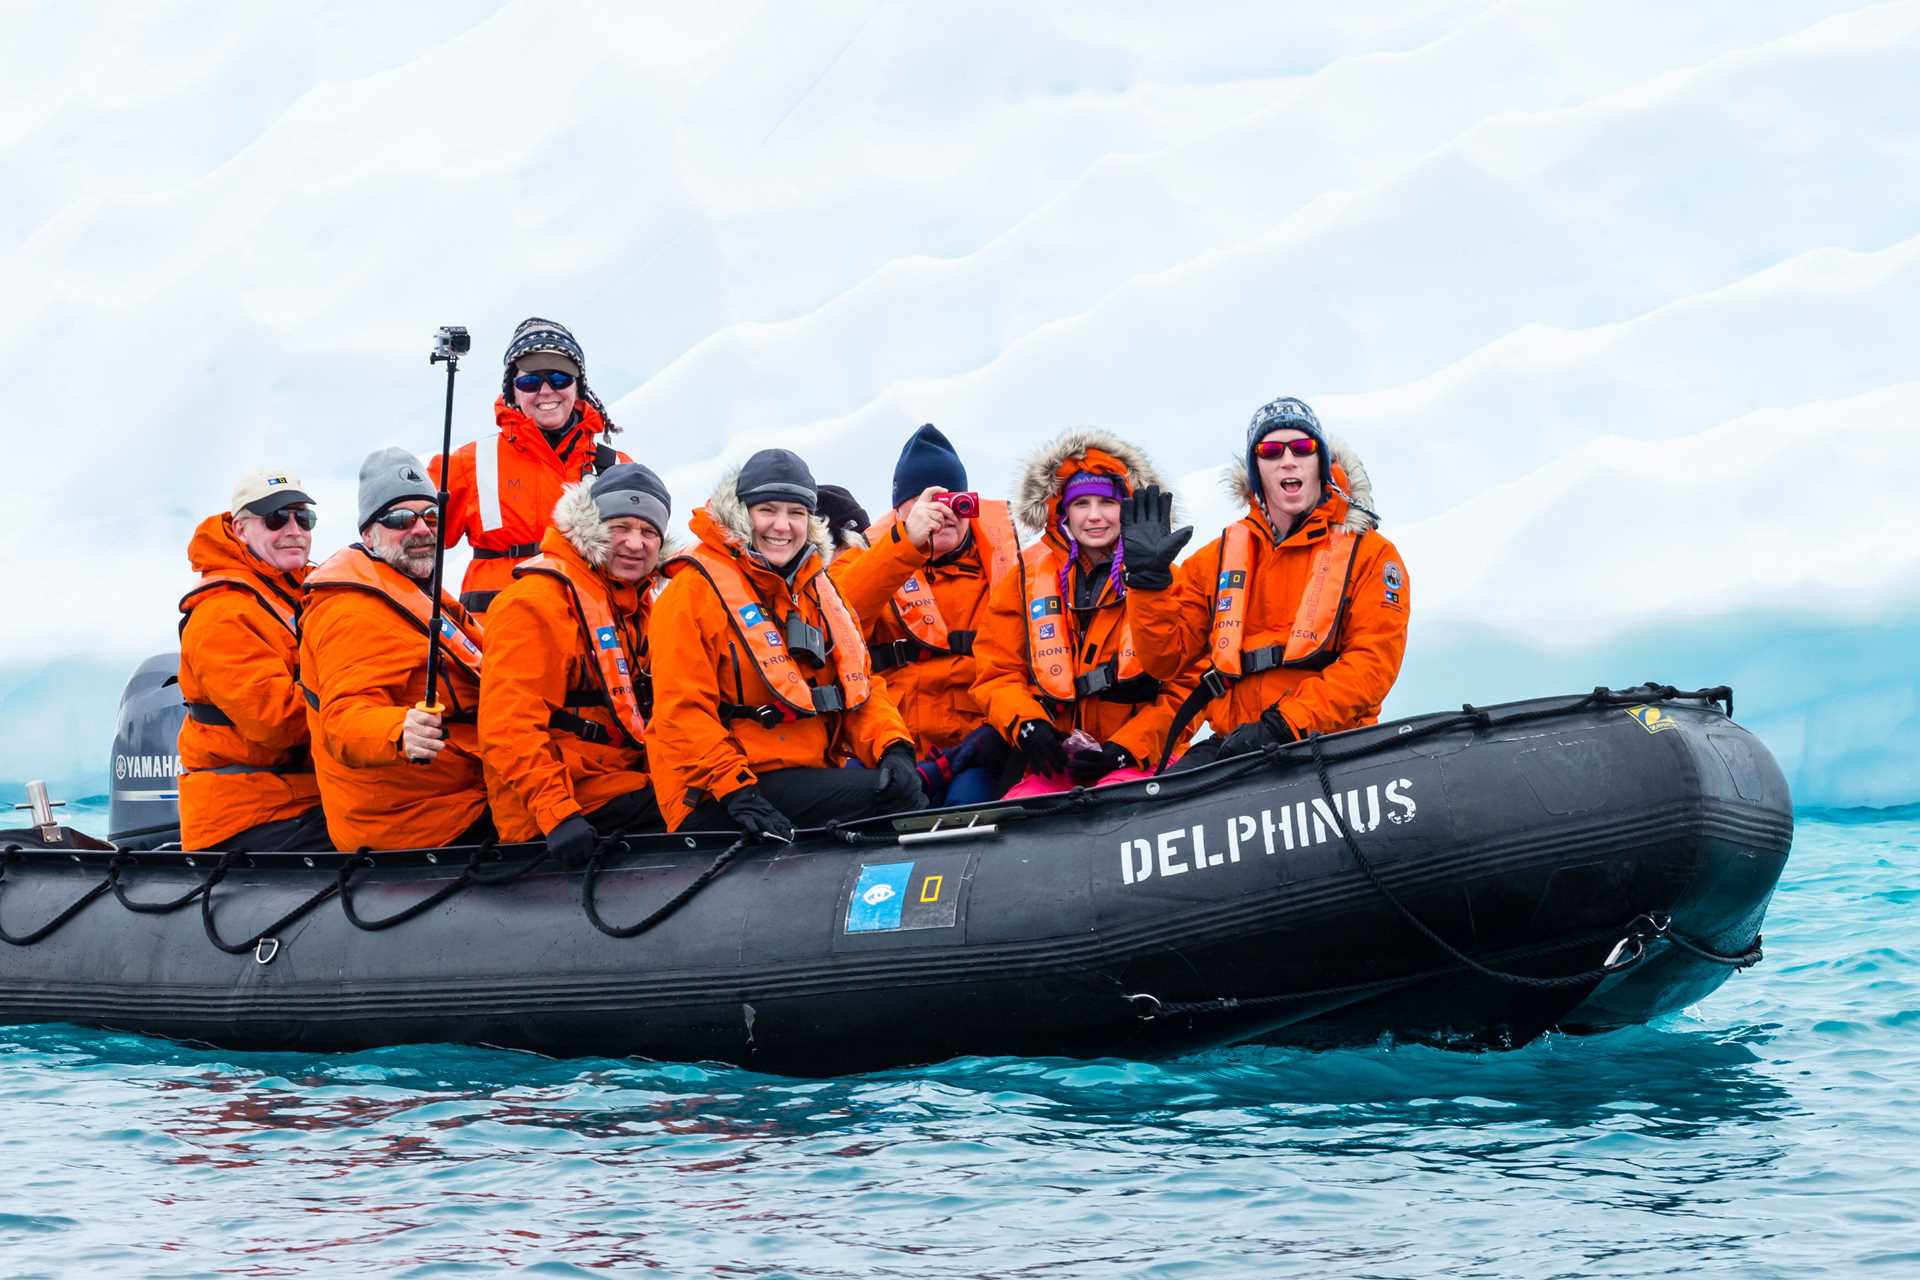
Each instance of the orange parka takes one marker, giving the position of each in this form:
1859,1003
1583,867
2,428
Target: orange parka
1175,626
243,746
700,662
932,688
501,491
1004,684
363,660
546,663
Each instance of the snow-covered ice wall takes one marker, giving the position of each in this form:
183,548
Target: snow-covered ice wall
1616,299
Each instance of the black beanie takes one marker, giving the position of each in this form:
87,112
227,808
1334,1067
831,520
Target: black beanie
776,475
1288,413
843,513
927,459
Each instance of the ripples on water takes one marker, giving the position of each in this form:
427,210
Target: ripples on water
1770,1131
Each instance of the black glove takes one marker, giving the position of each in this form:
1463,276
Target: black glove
1042,747
757,816
1149,539
1270,730
984,748
1088,767
573,841
900,777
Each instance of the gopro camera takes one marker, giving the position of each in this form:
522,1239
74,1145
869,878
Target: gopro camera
965,505
450,343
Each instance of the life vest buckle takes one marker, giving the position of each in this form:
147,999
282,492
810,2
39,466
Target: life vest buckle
1214,683
1094,682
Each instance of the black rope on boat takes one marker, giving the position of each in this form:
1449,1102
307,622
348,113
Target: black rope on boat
1459,957
1149,1007
54,925
120,861
405,914
672,904
271,932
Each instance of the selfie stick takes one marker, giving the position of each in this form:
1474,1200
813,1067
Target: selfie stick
451,344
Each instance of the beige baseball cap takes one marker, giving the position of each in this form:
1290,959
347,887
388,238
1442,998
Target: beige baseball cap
262,493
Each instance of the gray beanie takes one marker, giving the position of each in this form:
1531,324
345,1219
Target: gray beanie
777,475
630,489
1283,414
389,476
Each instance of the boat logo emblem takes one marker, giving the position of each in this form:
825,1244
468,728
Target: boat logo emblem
878,894
1391,576
1652,719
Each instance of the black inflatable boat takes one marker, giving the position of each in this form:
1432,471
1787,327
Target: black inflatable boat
1469,878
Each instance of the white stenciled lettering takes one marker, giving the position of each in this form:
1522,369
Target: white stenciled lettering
1284,827
1303,824
1396,796
1200,857
1170,854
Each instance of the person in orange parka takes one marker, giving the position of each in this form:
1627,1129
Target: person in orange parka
762,687
501,490
393,774
1295,619
1054,652
246,781
565,696
920,592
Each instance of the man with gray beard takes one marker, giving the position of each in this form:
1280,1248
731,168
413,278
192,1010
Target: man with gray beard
394,773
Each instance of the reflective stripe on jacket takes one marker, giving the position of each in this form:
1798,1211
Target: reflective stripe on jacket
501,491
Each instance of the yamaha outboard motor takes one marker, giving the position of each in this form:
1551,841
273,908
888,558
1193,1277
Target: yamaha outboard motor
143,806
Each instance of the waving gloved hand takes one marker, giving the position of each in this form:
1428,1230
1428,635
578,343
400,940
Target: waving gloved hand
572,841
1088,767
1042,747
1149,539
1271,729
757,816
900,777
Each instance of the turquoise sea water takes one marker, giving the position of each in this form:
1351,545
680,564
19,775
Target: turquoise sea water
1771,1131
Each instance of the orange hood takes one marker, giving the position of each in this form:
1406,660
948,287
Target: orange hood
216,548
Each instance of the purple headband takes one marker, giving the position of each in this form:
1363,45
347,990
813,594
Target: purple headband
1091,484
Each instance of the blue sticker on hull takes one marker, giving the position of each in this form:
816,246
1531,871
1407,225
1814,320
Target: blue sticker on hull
879,896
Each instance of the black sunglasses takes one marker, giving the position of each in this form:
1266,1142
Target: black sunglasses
305,517
552,377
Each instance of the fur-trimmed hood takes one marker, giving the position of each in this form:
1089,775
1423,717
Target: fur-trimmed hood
578,520
1045,473
726,510
1351,499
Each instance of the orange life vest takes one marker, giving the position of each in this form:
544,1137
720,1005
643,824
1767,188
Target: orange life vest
613,666
1051,659
354,568
914,604
278,607
1313,639
281,608
796,694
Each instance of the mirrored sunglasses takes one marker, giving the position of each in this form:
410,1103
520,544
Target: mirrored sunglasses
1304,447
401,519
554,378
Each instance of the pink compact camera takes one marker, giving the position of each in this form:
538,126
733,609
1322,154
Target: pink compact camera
964,505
